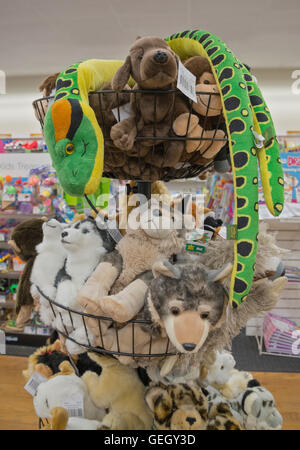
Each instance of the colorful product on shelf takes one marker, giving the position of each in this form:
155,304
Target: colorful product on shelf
5,261
280,335
221,199
26,145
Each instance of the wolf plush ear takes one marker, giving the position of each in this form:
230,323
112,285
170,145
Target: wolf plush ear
220,274
165,268
122,75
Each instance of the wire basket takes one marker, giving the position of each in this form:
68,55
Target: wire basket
147,160
69,317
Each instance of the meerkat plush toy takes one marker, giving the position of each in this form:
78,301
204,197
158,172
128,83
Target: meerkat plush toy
24,239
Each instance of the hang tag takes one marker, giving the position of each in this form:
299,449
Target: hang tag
115,234
74,405
231,232
186,82
259,139
34,382
223,232
110,226
268,134
197,240
2,343
124,111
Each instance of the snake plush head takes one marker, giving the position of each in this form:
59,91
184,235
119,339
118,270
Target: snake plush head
72,133
73,146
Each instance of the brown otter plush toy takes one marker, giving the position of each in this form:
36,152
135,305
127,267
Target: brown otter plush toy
24,239
205,117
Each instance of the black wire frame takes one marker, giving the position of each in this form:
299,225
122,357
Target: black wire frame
101,349
184,169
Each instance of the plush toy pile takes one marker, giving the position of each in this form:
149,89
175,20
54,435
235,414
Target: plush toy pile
221,398
183,320
145,326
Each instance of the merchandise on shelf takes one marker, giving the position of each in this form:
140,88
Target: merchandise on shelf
26,145
221,198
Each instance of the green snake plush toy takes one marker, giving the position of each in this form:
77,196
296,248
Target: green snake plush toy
72,134
75,140
245,112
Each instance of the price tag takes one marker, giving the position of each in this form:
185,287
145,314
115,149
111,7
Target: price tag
231,232
197,240
74,405
186,82
223,232
34,382
124,111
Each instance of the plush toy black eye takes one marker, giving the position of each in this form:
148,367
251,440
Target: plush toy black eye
85,231
70,148
175,311
204,315
157,212
140,57
222,367
205,82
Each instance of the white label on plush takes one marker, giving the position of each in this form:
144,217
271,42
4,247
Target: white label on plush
34,382
124,111
74,405
186,82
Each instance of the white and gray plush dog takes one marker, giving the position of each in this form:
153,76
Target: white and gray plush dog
85,244
49,260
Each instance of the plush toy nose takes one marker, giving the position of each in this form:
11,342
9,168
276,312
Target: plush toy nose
188,347
160,57
190,420
64,234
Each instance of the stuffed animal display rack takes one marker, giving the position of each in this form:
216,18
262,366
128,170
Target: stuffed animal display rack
75,140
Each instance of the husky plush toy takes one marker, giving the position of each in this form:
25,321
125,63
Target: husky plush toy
49,260
85,245
117,289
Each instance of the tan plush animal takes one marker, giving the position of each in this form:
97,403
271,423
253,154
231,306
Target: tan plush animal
116,289
119,390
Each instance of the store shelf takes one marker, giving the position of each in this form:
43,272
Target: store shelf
4,245
23,216
8,304
10,275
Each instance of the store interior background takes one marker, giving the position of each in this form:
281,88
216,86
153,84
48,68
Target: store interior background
38,38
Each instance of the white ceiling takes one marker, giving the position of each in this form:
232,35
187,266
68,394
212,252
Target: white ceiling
43,36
